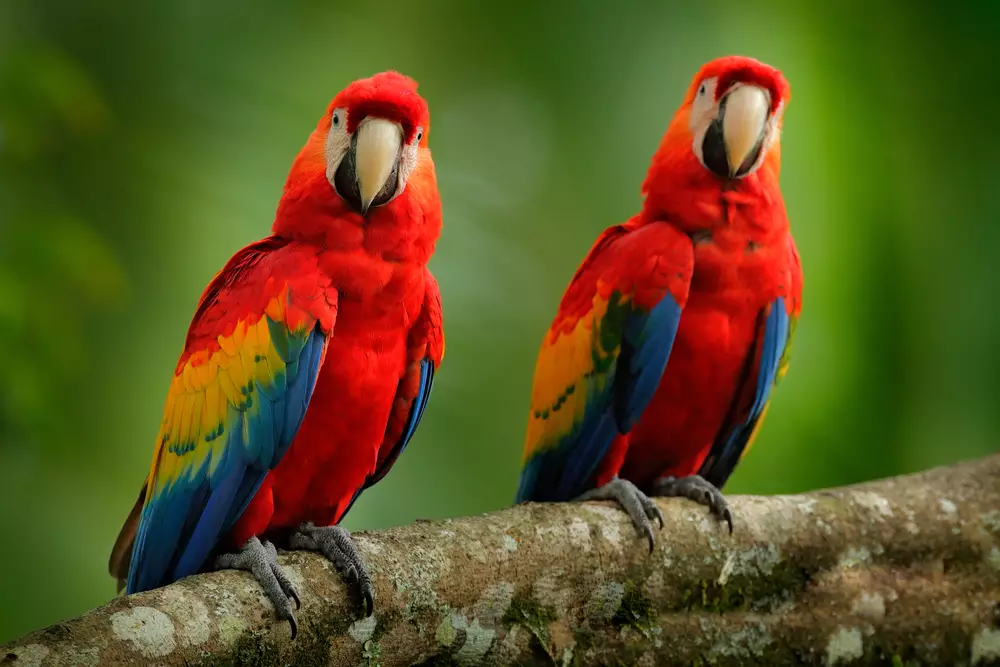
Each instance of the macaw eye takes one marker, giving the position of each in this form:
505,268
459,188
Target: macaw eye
701,91
336,119
420,134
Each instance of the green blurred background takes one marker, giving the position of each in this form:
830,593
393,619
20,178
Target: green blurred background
143,143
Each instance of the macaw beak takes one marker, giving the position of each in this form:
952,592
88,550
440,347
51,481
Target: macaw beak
368,174
733,141
743,123
376,158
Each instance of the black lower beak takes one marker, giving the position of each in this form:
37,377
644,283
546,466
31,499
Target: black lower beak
345,181
713,149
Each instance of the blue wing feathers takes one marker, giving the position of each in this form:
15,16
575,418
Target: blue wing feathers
181,526
595,439
312,361
302,380
253,477
412,421
648,341
294,396
529,479
427,385
722,460
167,521
565,471
231,456
203,538
262,425
423,395
260,443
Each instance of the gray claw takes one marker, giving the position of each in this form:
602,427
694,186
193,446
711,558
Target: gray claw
698,489
636,504
337,545
261,560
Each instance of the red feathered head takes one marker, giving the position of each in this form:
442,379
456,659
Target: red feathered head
725,135
368,154
388,95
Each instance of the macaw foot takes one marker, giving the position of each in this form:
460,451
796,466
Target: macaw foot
698,489
336,544
261,560
636,504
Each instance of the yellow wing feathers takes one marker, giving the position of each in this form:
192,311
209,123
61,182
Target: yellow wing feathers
207,386
564,377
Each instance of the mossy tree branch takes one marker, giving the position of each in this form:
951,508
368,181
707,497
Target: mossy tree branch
898,572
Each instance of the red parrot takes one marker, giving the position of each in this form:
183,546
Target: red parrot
308,364
658,368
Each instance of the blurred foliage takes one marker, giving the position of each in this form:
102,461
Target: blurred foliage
55,268
141,144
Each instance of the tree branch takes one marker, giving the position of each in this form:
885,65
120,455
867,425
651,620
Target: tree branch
905,569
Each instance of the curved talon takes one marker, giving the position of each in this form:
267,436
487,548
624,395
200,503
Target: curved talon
727,516
698,489
369,595
649,536
640,509
336,544
260,559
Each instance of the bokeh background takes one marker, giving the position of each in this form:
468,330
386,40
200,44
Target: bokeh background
142,143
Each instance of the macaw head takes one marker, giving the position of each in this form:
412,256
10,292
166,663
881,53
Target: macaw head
726,130
377,127
369,149
732,115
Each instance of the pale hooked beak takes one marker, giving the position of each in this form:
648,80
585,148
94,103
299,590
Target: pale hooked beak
743,123
377,150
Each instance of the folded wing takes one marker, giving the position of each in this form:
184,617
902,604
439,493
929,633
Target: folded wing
765,368
604,355
238,397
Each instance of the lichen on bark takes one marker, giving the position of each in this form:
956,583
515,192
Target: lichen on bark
899,572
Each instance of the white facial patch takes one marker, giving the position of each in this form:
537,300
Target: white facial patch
703,111
408,158
338,141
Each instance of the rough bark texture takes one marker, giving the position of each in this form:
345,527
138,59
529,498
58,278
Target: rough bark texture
905,571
